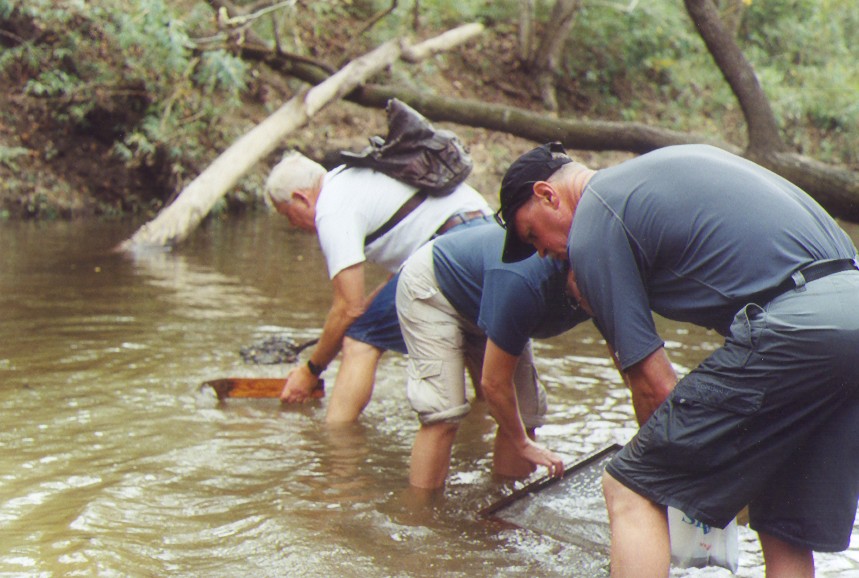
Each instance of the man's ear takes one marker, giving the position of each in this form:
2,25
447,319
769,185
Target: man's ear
302,197
545,193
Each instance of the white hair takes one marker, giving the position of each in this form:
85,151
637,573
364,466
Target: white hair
295,171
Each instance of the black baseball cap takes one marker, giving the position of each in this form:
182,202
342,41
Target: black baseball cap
517,186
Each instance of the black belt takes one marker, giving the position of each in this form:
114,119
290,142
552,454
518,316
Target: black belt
802,276
457,220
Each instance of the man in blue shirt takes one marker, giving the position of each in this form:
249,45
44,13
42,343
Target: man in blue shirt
771,419
460,307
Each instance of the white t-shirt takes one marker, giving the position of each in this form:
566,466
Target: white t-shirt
355,202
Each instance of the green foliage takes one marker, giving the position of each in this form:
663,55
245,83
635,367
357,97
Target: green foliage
133,71
328,15
128,68
221,72
629,58
651,61
806,55
40,206
443,13
9,154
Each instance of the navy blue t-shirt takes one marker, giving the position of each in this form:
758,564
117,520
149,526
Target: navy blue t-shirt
690,232
511,302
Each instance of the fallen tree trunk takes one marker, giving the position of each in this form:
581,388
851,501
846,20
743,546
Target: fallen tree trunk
835,188
576,134
176,221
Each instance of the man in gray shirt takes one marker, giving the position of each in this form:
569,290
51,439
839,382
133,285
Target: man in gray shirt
771,419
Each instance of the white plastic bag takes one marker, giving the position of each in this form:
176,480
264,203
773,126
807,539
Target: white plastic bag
695,544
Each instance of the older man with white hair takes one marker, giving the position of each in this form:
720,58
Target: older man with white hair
360,215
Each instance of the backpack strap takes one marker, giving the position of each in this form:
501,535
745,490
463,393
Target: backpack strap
410,205
405,209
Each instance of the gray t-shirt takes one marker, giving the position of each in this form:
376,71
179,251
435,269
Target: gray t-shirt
690,232
511,302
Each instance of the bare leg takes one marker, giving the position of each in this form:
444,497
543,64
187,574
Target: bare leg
784,560
505,461
354,384
640,546
474,366
431,455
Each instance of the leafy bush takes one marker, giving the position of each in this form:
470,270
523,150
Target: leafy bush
128,71
807,54
9,154
649,62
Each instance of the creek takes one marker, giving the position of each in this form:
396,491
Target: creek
113,463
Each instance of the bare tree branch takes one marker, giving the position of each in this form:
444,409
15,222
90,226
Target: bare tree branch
526,30
442,42
372,22
545,63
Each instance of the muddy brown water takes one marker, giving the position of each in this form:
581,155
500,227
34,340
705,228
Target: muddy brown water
113,464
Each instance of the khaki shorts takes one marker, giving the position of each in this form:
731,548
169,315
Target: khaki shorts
442,343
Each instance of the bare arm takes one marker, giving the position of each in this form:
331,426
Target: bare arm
500,393
650,380
372,295
347,305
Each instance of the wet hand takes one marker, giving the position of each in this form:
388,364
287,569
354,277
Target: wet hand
541,456
299,386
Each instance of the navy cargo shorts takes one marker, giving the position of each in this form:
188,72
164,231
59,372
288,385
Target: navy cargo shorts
769,420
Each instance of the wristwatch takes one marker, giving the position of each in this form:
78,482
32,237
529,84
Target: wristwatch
316,370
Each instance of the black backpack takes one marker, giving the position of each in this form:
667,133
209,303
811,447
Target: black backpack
415,153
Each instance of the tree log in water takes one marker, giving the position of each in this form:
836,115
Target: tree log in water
176,221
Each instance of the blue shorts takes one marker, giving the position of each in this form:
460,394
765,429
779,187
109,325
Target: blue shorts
378,325
769,420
